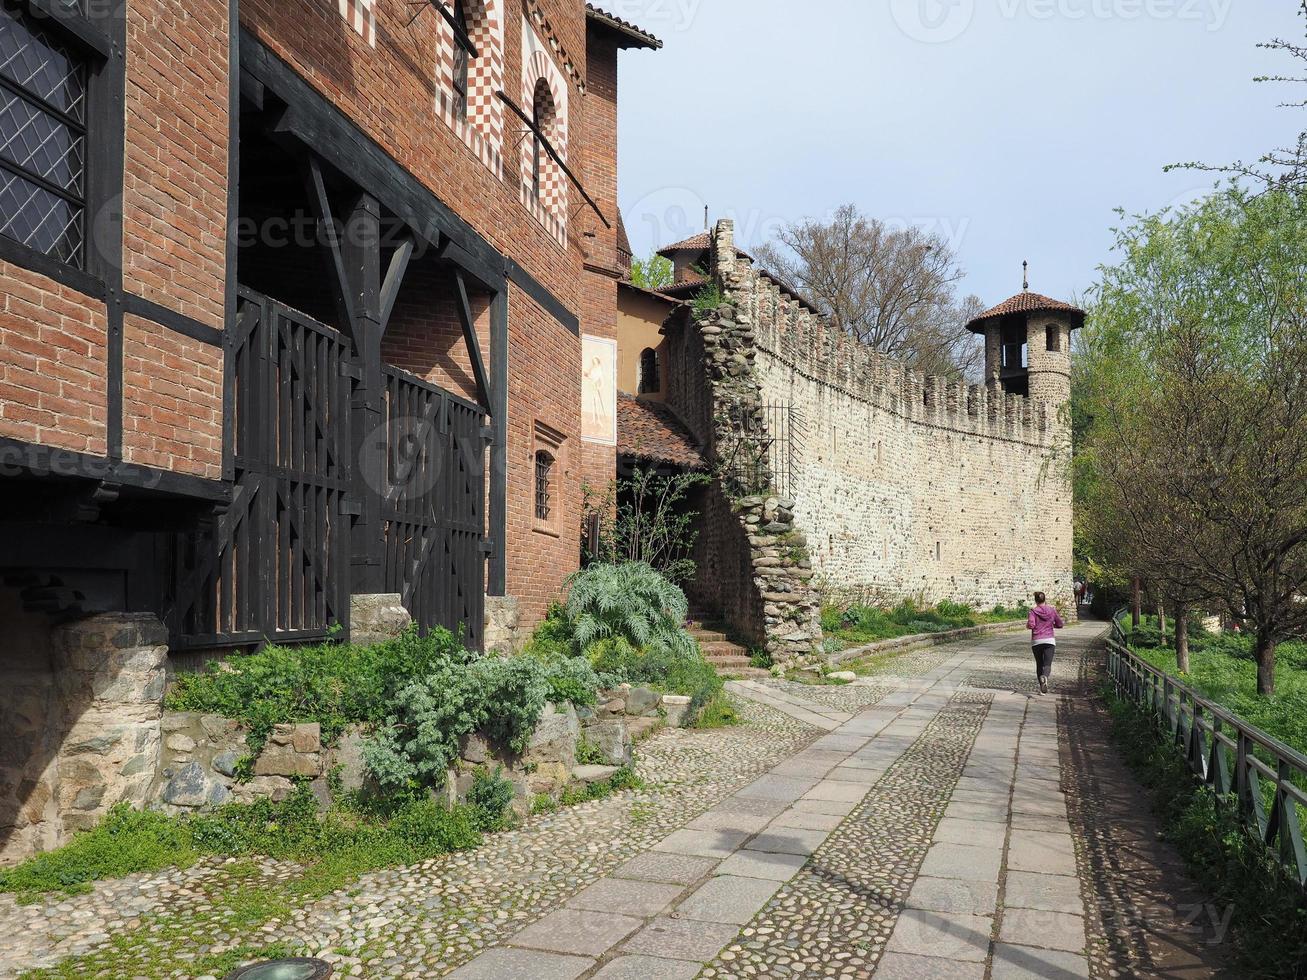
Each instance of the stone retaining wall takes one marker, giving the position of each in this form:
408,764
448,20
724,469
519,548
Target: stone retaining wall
200,754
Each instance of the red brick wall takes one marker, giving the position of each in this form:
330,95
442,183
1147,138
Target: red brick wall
175,186
544,385
172,400
52,363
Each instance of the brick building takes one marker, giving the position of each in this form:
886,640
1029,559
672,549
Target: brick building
301,301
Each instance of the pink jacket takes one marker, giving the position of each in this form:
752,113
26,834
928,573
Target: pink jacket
1043,620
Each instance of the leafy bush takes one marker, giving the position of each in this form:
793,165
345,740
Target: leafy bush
490,796
501,697
333,684
659,668
859,624
625,778
629,601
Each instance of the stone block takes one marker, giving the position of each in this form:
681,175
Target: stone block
475,749
593,774
377,618
282,760
224,763
555,737
193,787
179,742
611,739
347,757
275,788
641,702
676,710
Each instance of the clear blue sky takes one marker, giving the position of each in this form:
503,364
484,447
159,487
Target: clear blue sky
1012,127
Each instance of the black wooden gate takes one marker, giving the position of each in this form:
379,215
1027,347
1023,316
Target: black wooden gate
275,566
434,506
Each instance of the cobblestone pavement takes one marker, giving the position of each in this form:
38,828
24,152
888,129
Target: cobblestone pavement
420,921
936,821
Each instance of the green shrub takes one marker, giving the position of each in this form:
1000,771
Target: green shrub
490,796
502,697
333,684
631,602
624,779
761,660
659,668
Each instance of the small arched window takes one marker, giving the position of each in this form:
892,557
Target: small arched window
544,485
542,116
462,62
650,379
1053,337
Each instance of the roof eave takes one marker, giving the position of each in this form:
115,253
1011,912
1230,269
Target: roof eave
637,38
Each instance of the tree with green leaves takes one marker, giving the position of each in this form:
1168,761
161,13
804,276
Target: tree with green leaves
1193,463
656,272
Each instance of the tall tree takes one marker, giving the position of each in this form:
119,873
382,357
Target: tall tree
1198,400
894,289
1283,168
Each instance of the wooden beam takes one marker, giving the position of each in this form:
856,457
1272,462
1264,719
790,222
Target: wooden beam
321,205
473,344
549,148
394,279
497,577
460,35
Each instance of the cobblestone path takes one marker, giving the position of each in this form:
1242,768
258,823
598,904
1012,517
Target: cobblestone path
937,820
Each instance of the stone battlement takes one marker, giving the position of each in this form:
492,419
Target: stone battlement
809,345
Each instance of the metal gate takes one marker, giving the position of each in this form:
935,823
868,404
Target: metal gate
275,566
434,506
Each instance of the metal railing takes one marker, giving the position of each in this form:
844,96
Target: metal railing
1257,774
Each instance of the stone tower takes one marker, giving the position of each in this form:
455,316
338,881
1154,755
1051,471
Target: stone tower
1028,347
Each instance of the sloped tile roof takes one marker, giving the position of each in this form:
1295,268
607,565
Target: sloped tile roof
650,430
698,243
1026,302
641,37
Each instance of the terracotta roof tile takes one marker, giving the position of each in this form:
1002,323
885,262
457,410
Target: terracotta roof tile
698,243
650,430
1026,302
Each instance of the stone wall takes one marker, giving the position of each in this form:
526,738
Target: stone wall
754,566
198,765
80,723
909,485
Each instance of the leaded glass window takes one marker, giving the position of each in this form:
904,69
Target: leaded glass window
43,100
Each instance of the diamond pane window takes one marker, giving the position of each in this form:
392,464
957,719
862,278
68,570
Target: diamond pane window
43,86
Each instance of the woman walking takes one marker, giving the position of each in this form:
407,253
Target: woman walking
1043,622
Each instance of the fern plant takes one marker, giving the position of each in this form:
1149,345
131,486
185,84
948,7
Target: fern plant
630,601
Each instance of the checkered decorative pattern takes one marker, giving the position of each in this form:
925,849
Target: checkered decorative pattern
483,130
362,16
537,66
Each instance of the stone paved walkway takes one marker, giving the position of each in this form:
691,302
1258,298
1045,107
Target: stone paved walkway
917,824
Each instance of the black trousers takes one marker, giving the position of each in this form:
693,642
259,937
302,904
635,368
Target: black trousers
1044,659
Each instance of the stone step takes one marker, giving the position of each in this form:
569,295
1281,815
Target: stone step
707,636
723,648
731,662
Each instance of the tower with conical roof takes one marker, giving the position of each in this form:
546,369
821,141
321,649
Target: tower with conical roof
1028,346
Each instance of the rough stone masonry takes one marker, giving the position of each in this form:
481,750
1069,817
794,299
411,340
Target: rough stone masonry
910,486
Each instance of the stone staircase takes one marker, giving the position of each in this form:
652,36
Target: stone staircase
718,650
